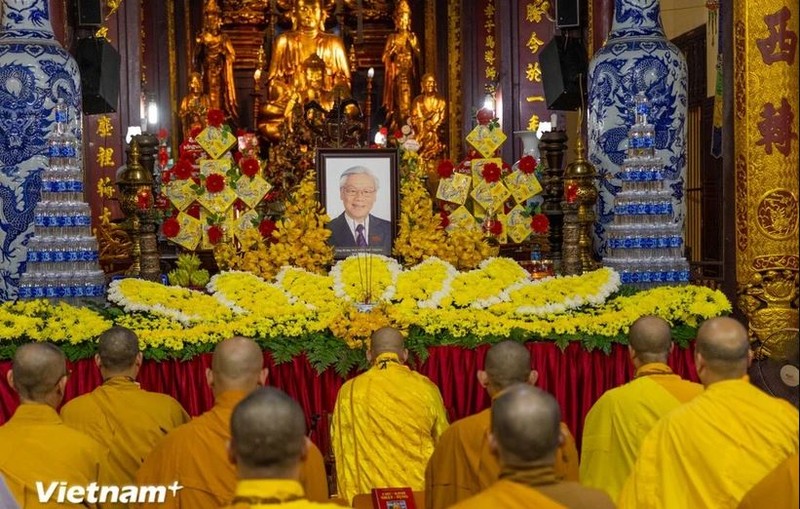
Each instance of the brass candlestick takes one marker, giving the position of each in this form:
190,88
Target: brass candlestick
580,198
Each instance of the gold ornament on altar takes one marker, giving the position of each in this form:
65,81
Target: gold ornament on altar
287,78
401,57
215,56
580,198
194,106
428,112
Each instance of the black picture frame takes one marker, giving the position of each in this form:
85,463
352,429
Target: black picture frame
384,211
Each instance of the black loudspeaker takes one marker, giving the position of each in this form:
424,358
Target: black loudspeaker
90,13
564,68
568,13
98,62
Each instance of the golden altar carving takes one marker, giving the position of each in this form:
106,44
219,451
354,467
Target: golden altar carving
428,113
214,54
401,57
194,106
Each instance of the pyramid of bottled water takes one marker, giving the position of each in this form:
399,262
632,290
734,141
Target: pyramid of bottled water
645,243
62,260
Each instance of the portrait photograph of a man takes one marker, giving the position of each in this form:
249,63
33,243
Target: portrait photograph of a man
359,192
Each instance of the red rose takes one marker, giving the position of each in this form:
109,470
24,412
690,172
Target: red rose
266,227
143,199
195,132
215,234
445,169
527,164
571,192
540,223
215,117
490,172
194,210
484,116
183,169
250,167
171,228
445,219
162,134
166,177
215,183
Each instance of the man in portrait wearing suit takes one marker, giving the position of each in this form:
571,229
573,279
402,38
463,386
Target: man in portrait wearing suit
356,229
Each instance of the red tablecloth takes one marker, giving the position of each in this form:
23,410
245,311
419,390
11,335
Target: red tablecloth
575,377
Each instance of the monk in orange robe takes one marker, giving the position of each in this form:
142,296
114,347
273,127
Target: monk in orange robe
780,489
267,446
35,445
119,414
525,436
618,422
712,450
386,422
462,464
195,454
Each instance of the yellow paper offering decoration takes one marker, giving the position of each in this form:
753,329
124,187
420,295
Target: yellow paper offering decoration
181,194
217,203
461,219
215,141
490,196
518,224
252,190
503,220
477,168
523,185
191,230
209,166
454,189
245,222
228,224
486,140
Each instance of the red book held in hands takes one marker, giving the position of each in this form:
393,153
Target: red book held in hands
393,498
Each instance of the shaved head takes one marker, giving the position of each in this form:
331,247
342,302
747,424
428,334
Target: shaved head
650,337
526,425
268,430
507,363
237,364
386,340
725,348
37,369
118,348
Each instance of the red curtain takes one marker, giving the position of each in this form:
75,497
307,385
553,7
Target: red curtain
575,377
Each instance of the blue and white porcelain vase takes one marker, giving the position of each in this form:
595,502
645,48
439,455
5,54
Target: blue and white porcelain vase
637,57
35,72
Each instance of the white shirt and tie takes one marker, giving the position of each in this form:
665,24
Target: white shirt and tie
354,225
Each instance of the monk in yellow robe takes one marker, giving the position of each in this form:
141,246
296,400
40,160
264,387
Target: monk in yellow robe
268,443
195,454
525,436
462,465
119,414
780,489
712,450
35,445
386,422
620,419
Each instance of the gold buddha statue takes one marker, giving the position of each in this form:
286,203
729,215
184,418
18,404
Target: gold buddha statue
194,106
286,77
428,112
401,63
214,54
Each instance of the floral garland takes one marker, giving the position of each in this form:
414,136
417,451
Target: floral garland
41,320
313,289
483,287
243,292
558,295
181,304
425,285
365,278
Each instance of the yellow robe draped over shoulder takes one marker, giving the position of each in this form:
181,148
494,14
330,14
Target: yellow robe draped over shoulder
35,445
127,420
462,464
385,425
780,489
618,422
195,454
272,493
712,450
509,495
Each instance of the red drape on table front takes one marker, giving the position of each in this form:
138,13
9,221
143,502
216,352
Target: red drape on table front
575,377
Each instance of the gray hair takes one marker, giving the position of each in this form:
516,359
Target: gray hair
358,170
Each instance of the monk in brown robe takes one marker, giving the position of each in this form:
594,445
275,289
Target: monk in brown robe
35,445
120,415
525,436
268,443
462,463
195,454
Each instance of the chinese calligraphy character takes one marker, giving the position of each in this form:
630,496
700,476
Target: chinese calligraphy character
536,10
105,157
104,126
776,128
534,43
533,123
533,72
781,44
